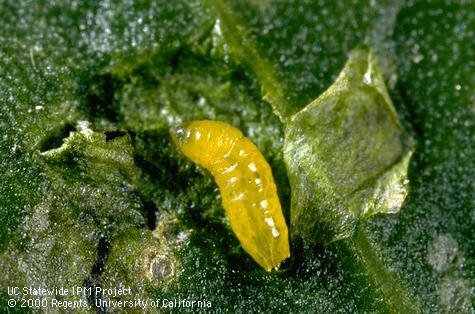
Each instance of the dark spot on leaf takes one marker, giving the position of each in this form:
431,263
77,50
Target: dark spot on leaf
150,213
110,135
97,94
55,138
175,57
144,72
102,252
93,281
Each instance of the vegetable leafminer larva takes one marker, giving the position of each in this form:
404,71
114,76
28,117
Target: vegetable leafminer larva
247,188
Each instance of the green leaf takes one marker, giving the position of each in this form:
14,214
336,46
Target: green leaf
97,212
346,154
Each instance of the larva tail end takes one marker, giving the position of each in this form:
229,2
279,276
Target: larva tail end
283,265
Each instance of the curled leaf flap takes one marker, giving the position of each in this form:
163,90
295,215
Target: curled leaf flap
346,154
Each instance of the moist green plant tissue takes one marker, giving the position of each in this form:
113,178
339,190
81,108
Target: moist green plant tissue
347,155
373,158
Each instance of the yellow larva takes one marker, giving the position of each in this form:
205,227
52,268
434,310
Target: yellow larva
248,191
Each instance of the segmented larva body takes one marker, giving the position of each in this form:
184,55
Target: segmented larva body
248,191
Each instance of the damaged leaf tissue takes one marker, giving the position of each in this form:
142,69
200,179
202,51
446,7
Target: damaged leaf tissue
225,156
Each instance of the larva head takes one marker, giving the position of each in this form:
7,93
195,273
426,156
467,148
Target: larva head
181,136
205,141
188,138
